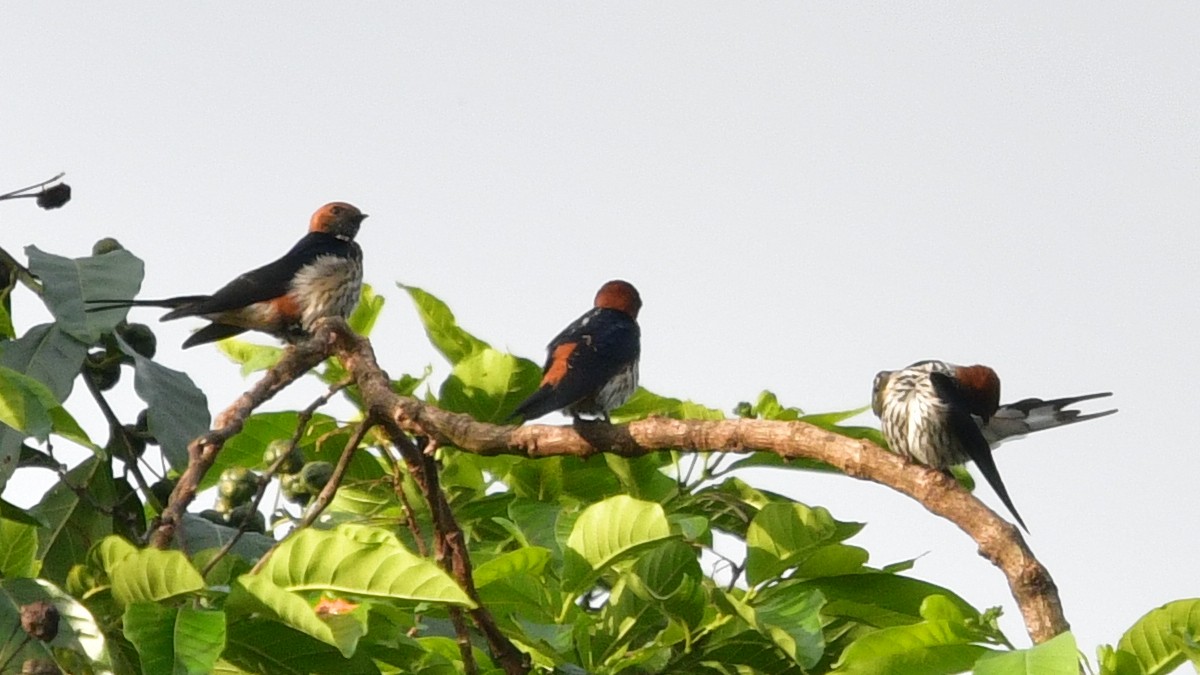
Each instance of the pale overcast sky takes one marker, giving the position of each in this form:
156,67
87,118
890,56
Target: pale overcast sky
803,193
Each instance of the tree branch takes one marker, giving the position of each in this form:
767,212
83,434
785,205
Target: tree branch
999,541
202,452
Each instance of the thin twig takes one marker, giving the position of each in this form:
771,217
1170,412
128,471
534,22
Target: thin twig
17,193
339,470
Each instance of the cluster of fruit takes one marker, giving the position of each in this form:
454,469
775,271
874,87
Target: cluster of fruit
299,481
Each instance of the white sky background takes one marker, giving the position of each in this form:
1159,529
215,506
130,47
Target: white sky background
803,194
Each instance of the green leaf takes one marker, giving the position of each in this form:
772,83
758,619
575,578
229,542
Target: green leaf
176,640
147,575
69,281
50,356
609,531
362,319
255,594
1057,656
830,420
768,407
47,354
645,403
201,534
783,535
879,599
526,560
1158,640
10,511
791,618
265,646
78,512
251,356
178,410
25,404
443,330
488,385
7,331
18,555
339,561
669,577
927,648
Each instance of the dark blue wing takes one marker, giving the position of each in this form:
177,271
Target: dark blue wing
964,428
582,359
271,280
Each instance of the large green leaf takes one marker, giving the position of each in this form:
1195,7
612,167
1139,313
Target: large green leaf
609,531
178,410
201,534
1057,656
29,407
78,511
51,357
669,577
18,554
69,281
1158,642
783,535
877,599
47,354
440,325
146,575
947,641
530,560
175,640
25,404
489,385
791,618
78,630
339,561
267,646
254,594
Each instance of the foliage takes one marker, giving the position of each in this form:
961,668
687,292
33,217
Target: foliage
598,565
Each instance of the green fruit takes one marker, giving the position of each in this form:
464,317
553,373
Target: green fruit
214,515
140,338
237,485
248,517
106,245
103,372
291,486
315,475
162,490
276,448
125,445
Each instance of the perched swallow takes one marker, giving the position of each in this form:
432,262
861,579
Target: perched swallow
592,366
320,277
941,414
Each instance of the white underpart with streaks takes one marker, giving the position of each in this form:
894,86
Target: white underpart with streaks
612,395
914,417
328,286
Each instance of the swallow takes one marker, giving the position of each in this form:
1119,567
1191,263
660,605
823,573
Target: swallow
940,414
592,365
321,276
